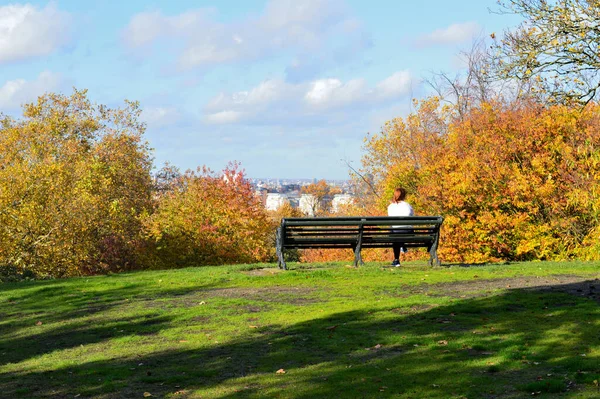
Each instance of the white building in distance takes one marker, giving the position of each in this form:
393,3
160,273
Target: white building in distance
339,200
308,204
275,201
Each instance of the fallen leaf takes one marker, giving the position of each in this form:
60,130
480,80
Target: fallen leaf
253,326
202,303
280,371
443,342
147,394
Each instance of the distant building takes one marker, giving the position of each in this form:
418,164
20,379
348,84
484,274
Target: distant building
294,201
339,200
308,204
275,200
286,188
261,193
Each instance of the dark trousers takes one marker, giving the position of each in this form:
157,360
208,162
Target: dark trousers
397,247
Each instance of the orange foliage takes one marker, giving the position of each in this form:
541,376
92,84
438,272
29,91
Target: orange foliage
514,183
209,220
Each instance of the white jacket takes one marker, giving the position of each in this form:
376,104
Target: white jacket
401,208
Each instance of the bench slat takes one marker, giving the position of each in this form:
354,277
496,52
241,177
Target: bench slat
404,223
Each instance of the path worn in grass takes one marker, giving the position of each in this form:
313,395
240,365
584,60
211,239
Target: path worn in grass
569,284
497,331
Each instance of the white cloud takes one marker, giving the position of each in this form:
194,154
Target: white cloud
158,117
15,93
147,27
396,85
223,117
26,31
265,93
301,26
274,101
329,93
144,28
453,34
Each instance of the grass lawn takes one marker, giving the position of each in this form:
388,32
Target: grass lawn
315,331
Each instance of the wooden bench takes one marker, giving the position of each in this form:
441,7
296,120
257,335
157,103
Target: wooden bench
359,232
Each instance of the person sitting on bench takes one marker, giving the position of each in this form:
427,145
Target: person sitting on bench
399,207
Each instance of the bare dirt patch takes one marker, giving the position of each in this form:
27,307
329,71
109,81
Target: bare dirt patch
263,272
585,286
273,295
288,295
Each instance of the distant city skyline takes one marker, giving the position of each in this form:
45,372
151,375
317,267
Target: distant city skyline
311,179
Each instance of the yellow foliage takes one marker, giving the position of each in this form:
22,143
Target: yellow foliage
74,181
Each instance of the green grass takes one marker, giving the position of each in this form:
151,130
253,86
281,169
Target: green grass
491,331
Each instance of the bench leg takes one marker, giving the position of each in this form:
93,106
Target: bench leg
433,258
279,250
357,257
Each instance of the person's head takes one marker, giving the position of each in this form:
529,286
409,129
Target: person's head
399,194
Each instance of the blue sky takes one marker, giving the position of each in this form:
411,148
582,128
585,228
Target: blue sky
288,88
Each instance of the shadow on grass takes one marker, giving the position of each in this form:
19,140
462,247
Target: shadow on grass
436,353
75,309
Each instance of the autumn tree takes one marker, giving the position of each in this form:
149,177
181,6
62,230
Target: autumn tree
74,182
209,219
403,147
472,87
514,182
556,47
476,83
